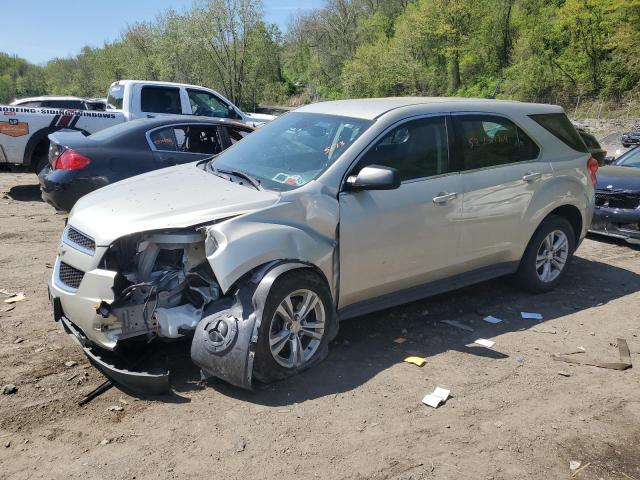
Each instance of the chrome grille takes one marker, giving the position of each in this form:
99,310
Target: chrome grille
617,200
85,243
70,276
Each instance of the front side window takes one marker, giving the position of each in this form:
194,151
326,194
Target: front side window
201,139
293,149
160,100
488,140
417,149
208,105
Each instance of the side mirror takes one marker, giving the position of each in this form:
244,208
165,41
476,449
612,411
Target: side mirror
609,160
374,177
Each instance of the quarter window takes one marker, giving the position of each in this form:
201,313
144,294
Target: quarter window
487,141
202,139
417,149
160,100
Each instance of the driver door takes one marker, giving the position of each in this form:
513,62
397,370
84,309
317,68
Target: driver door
392,240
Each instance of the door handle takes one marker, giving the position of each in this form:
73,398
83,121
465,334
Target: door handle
444,197
531,176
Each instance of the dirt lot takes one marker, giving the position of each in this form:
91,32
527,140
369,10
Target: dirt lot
358,414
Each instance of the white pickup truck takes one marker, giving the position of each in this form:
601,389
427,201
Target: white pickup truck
24,131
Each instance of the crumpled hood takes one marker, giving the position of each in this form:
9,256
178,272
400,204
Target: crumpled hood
613,177
174,197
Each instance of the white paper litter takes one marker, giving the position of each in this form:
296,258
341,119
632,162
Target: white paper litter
485,343
438,396
492,319
531,316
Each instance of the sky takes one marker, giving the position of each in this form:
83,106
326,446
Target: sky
39,30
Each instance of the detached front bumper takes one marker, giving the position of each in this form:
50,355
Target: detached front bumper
617,223
133,381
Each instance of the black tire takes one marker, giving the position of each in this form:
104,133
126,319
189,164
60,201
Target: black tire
39,163
527,275
265,367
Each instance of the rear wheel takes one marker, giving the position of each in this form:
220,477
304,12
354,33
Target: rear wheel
294,330
547,256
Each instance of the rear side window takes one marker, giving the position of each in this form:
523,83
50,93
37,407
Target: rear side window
201,139
489,140
417,149
115,97
160,100
560,127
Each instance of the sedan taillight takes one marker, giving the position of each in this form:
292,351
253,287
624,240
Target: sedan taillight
71,160
592,166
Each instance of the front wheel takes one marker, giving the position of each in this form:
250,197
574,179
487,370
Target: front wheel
295,327
547,256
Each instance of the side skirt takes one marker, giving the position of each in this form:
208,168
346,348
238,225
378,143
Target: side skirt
427,290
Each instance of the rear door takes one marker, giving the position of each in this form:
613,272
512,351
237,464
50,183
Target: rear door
177,144
501,171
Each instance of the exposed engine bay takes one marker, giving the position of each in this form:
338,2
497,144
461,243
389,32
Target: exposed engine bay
163,286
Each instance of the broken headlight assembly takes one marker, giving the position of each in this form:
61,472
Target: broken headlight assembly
163,286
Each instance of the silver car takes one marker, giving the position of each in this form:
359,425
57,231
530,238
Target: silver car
332,211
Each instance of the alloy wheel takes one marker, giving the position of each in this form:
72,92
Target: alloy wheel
552,256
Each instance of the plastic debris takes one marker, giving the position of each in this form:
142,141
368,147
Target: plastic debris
623,364
9,389
574,465
438,396
400,340
456,324
491,319
485,343
531,315
16,298
419,361
115,408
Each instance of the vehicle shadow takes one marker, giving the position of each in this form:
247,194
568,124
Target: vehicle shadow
365,345
25,193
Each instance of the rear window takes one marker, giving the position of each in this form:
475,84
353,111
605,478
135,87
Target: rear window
160,100
115,96
560,127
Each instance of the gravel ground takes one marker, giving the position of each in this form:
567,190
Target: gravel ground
358,414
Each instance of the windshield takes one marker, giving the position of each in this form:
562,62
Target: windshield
630,159
293,149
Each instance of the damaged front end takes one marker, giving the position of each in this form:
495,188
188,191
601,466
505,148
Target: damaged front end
617,214
161,286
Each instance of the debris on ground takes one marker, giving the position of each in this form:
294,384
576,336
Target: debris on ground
70,363
18,340
574,465
551,331
563,373
582,468
115,408
242,444
531,315
16,298
400,340
491,319
623,364
7,308
457,324
9,389
484,342
105,441
419,361
438,396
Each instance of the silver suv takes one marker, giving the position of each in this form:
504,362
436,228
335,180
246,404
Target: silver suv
332,211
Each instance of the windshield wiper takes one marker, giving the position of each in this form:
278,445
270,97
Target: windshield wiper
238,173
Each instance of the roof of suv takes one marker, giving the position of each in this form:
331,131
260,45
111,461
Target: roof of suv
372,108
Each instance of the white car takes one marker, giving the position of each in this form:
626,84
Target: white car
24,129
329,212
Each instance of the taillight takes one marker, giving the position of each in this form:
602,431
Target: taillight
592,166
71,160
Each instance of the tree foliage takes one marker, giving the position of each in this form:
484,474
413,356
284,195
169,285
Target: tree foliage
540,50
